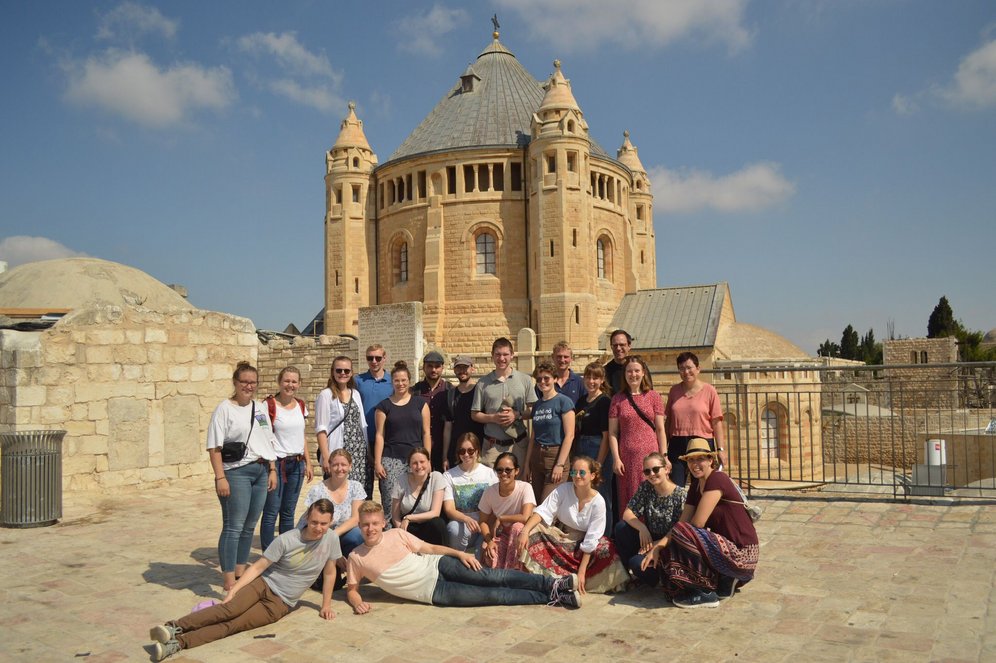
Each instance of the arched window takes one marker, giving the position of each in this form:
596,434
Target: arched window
356,162
401,262
600,257
774,420
485,249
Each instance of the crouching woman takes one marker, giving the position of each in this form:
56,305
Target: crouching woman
713,547
267,591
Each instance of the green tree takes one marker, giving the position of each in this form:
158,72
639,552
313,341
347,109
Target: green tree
942,321
870,352
849,343
828,349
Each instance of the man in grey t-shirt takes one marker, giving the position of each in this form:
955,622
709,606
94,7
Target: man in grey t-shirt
502,399
268,589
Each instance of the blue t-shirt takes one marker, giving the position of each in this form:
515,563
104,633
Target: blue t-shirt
548,428
573,388
372,392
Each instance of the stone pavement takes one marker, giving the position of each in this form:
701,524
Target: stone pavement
838,580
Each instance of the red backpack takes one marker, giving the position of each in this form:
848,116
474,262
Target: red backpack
271,405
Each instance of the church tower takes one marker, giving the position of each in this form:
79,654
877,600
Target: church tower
349,228
641,214
562,290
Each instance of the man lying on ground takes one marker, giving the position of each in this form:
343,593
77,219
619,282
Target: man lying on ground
409,568
267,591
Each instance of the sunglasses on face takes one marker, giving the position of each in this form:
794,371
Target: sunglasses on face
504,470
375,358
577,473
656,470
343,371
467,451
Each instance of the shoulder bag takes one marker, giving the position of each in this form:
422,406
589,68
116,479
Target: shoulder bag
233,452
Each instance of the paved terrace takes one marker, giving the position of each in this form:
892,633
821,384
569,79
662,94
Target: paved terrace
838,581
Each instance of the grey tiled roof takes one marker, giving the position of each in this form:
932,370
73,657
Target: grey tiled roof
685,317
496,113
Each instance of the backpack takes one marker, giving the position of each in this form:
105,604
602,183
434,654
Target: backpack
271,405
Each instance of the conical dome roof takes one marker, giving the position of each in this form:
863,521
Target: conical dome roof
558,91
627,155
351,131
493,109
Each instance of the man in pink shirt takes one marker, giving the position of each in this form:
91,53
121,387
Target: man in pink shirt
409,568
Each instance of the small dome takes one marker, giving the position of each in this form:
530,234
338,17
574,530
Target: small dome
558,91
73,283
740,341
627,155
990,337
351,131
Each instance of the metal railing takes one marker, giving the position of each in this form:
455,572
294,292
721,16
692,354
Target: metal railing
904,430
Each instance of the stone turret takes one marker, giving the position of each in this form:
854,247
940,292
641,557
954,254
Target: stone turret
562,290
349,231
641,212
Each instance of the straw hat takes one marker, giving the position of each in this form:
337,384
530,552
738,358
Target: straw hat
697,447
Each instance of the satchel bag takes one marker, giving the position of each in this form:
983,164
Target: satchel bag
645,418
233,452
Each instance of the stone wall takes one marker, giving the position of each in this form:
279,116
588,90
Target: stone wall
133,388
398,327
923,387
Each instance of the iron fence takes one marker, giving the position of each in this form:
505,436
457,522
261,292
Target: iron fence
918,429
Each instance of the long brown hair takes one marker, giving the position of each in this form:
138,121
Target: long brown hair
332,384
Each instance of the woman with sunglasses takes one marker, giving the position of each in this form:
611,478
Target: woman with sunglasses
402,425
340,424
549,447
636,427
417,500
466,483
578,545
713,547
346,495
650,515
505,507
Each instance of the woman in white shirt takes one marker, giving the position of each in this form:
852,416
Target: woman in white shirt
240,447
287,415
578,545
341,424
466,484
417,500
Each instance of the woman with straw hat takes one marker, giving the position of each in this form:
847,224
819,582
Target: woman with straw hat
713,548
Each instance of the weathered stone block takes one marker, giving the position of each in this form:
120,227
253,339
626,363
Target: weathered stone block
128,446
156,336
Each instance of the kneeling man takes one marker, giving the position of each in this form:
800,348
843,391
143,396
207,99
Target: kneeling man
409,568
268,590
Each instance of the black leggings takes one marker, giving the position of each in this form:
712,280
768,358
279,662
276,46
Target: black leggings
431,531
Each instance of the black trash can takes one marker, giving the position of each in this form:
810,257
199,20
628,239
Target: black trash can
31,478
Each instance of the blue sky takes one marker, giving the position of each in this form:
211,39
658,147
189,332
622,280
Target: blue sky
835,161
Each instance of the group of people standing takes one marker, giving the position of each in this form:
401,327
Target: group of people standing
459,473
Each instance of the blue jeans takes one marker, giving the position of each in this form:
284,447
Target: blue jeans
240,513
350,540
282,501
459,586
460,536
627,542
589,445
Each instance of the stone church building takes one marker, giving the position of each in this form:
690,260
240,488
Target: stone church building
498,212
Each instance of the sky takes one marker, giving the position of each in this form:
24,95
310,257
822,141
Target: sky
833,160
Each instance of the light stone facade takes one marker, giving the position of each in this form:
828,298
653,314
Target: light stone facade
936,387
539,228
133,388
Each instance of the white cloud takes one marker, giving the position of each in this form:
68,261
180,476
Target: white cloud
130,20
573,25
903,105
421,32
317,97
21,249
974,84
289,53
129,84
752,188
